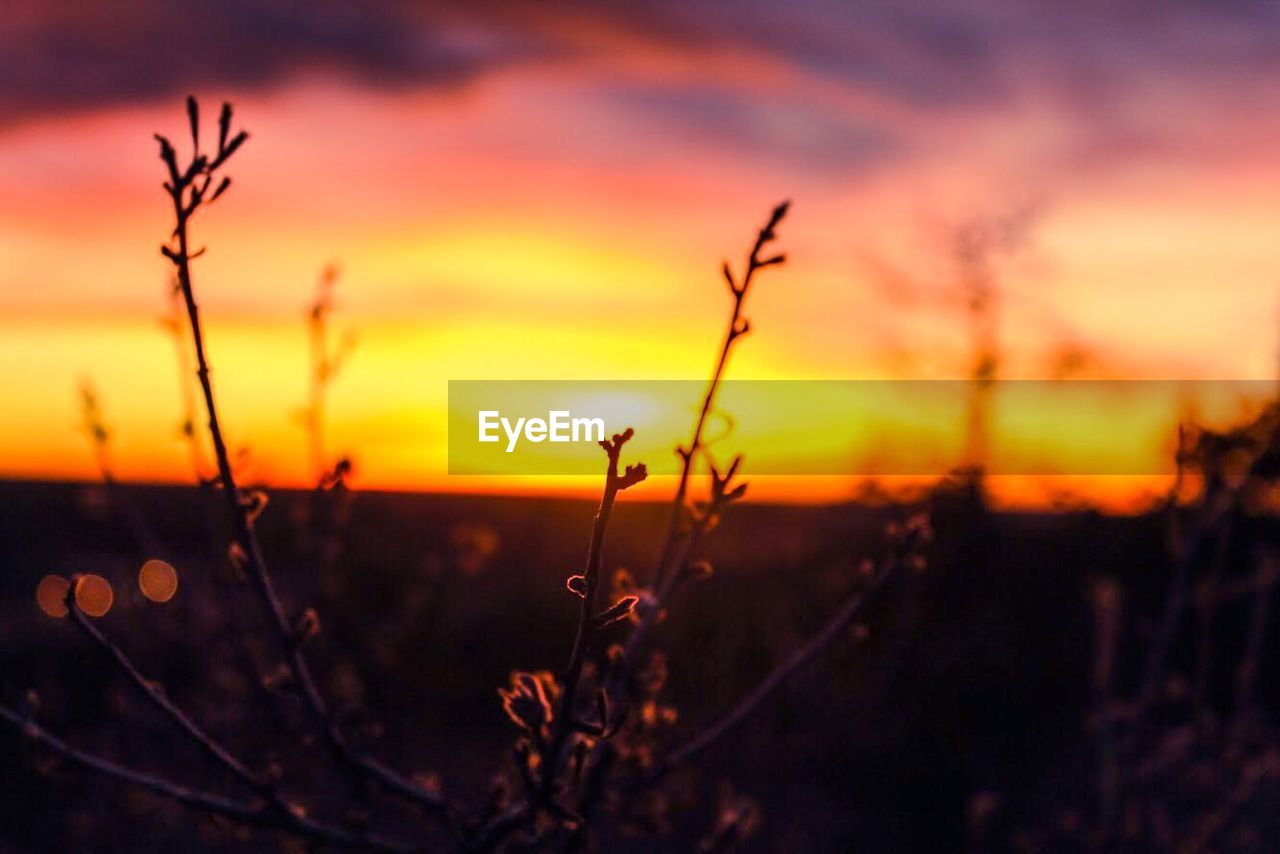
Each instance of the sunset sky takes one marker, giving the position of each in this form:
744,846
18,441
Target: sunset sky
521,191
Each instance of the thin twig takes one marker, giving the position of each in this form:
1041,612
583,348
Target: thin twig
158,697
187,193
587,623
798,659
156,694
173,324
672,564
267,814
564,722
736,328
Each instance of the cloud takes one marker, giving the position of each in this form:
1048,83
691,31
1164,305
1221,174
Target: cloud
929,56
787,130
60,56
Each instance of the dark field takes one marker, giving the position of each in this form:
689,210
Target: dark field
956,720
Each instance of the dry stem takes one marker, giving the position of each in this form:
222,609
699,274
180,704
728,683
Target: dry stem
187,189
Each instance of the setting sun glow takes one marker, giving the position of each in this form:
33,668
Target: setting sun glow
566,220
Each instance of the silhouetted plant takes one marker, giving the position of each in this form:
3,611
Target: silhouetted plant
93,423
327,513
974,244
326,358
94,426
175,323
589,738
1182,746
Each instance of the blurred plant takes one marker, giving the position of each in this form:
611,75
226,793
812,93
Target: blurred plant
1184,751
973,249
326,360
94,426
328,512
590,742
974,246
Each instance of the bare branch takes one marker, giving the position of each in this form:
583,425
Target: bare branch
736,328
588,624
840,621
267,814
244,532
156,694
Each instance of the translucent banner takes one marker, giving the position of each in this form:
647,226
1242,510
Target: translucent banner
834,427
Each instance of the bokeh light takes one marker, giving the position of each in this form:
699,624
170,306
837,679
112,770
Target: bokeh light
94,595
158,580
51,595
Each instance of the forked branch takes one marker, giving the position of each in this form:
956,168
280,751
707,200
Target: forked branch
157,696
188,188
589,622
735,329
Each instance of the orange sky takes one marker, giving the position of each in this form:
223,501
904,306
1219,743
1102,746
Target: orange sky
564,217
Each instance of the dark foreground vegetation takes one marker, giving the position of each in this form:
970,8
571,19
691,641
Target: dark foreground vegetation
326,676
949,718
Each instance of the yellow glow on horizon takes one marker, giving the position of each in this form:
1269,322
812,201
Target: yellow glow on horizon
483,239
